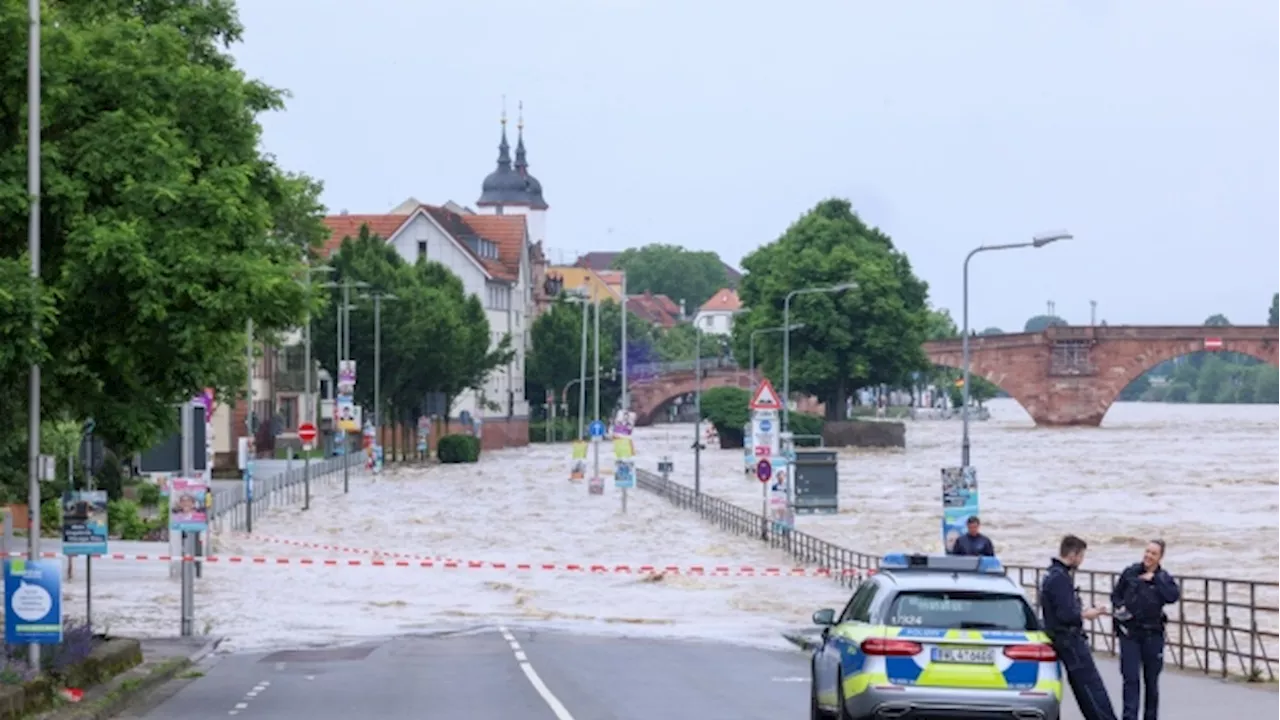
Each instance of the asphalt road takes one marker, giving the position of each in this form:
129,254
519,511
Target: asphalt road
533,675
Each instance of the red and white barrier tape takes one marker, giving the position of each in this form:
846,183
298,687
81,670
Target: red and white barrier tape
339,548
596,569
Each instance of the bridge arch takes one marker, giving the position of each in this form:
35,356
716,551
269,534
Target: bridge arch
1124,374
649,396
1014,383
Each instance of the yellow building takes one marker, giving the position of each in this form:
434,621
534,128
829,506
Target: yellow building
605,285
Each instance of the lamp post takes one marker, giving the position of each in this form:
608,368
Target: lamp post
751,363
786,342
697,410
33,247
378,298
343,343
580,296
1038,241
308,369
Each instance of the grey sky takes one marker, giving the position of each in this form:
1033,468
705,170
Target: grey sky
1147,128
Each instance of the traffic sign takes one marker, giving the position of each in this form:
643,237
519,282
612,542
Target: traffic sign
1213,344
307,433
764,471
766,398
766,425
596,429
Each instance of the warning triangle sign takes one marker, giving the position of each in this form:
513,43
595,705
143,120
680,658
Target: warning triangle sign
765,398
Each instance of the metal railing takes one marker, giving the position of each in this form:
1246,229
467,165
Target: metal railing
708,364
1218,626
231,509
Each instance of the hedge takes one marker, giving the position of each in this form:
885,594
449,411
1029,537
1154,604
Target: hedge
566,429
458,449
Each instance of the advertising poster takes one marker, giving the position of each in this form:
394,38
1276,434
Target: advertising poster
624,474
32,602
84,522
596,486
780,513
959,502
189,504
578,468
748,451
424,433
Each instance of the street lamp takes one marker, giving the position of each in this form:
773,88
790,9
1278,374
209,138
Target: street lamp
378,297
579,295
1038,241
308,369
751,364
786,342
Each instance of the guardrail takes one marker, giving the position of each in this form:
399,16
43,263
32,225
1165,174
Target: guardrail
1220,626
231,509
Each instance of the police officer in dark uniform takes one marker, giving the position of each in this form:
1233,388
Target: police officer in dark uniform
1139,596
1064,623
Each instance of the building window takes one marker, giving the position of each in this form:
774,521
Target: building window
422,249
288,409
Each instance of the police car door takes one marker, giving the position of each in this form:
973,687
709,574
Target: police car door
841,642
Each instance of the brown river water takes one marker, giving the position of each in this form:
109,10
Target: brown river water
1205,478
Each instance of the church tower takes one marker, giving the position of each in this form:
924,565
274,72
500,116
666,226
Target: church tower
512,190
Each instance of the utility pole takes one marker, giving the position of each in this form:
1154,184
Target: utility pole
378,296
188,567
582,376
248,426
33,248
596,389
1093,312
697,407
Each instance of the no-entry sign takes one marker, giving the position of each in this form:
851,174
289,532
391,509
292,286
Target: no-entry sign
307,434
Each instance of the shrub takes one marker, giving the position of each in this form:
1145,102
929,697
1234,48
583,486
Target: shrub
566,429
148,494
726,408
123,520
458,449
51,517
807,424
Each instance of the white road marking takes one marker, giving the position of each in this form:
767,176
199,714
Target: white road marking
251,694
557,708
242,706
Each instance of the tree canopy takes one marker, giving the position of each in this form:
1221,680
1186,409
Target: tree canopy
435,337
1038,323
164,226
868,335
1273,314
680,274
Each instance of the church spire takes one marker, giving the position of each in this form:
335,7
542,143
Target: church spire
522,161
504,149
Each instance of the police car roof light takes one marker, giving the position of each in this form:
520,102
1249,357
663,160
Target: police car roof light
943,563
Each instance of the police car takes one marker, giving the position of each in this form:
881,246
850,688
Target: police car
936,637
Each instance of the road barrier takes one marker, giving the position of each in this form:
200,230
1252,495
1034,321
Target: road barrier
1219,626
231,508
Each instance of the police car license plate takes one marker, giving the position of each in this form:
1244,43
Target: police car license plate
964,656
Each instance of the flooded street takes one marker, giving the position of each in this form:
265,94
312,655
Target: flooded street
1203,477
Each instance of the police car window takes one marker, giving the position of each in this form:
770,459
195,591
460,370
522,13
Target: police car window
859,606
974,610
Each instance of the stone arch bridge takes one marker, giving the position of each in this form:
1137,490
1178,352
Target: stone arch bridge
1070,375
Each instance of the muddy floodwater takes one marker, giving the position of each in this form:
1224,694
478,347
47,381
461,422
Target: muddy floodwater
1205,478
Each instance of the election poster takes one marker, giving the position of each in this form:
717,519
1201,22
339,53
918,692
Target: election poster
959,502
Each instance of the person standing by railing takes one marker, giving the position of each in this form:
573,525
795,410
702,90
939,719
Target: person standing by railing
1064,620
1139,596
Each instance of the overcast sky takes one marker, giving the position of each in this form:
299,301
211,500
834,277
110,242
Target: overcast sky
1148,128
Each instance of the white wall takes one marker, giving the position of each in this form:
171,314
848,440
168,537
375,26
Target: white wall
715,322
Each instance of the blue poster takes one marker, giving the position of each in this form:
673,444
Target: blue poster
624,474
84,522
32,602
959,502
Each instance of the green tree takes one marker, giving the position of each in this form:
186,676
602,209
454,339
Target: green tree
992,331
164,225
680,274
1273,314
435,337
1217,320
679,343
555,354
867,335
1039,322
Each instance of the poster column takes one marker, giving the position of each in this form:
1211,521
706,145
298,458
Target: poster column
345,409
959,502
624,473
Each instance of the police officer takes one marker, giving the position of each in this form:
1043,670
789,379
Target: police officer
1139,596
1064,623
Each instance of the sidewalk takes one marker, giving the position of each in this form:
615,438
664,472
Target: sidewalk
1183,695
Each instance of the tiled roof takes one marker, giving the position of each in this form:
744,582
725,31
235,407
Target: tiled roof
341,226
506,232
725,300
650,307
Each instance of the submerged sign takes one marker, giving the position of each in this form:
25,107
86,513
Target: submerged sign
84,522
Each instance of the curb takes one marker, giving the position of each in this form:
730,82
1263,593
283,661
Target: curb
124,689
